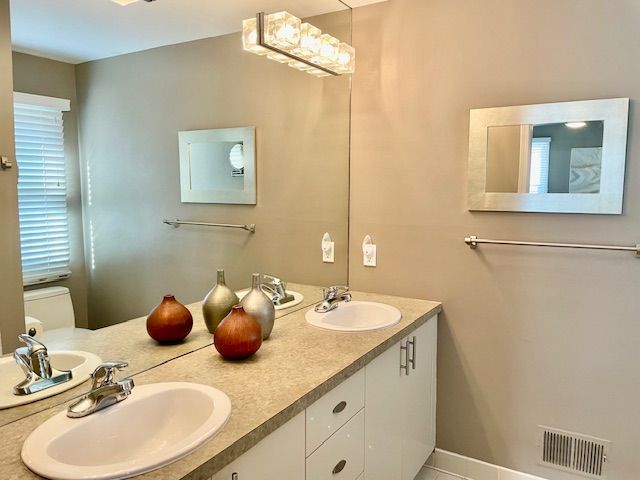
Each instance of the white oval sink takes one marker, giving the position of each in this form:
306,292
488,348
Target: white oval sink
297,298
355,316
156,425
81,365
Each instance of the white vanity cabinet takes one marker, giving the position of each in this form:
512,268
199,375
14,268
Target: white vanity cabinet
400,408
379,424
278,456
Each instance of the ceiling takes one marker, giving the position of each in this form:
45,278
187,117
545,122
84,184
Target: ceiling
77,31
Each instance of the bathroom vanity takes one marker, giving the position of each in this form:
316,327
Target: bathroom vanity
380,384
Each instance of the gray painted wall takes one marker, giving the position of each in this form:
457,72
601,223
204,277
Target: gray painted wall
12,315
528,336
41,76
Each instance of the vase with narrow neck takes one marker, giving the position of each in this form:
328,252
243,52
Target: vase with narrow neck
218,303
169,322
257,304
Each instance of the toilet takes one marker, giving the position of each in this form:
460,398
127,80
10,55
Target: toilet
52,306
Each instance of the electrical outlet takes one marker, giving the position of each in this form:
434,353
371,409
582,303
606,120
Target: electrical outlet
328,252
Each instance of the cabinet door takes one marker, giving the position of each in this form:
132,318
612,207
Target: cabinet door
418,392
383,414
279,456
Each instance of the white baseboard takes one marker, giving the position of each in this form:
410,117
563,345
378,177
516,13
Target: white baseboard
473,469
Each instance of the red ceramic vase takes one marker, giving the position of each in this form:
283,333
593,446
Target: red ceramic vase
238,336
169,322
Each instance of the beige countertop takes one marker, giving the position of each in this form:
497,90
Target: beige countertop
295,366
129,341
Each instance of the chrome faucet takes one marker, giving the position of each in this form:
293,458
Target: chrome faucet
34,361
104,392
332,296
276,289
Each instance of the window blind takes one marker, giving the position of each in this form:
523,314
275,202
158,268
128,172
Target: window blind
539,178
42,188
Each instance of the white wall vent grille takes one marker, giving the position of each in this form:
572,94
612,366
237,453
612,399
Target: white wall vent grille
573,452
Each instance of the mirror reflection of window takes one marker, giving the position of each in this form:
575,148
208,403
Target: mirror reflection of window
540,159
539,176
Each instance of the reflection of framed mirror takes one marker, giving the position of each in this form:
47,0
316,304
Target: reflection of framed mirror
559,157
218,166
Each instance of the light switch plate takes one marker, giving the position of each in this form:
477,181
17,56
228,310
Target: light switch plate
370,256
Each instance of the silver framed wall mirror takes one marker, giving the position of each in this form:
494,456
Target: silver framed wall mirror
218,166
564,157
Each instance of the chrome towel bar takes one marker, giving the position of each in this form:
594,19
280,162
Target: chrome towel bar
176,223
474,241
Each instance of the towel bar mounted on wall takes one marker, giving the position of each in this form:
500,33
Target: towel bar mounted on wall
474,241
176,223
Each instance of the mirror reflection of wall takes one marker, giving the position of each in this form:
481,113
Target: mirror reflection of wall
549,158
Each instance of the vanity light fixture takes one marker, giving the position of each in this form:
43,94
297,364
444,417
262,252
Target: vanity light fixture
575,125
286,39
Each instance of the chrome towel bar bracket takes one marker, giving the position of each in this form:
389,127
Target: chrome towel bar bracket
474,242
176,223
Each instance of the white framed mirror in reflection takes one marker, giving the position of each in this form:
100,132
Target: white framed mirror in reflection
139,75
218,166
555,158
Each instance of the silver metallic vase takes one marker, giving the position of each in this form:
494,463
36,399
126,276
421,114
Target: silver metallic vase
257,304
218,303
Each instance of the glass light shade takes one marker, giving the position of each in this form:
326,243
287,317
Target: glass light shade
250,37
278,57
328,56
346,59
309,46
124,2
303,67
282,30
316,72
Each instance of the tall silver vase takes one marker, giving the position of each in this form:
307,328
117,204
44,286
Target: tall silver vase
218,303
257,304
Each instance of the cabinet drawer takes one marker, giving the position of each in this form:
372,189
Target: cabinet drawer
333,410
342,456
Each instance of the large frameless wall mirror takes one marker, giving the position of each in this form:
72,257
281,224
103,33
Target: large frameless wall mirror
557,158
272,141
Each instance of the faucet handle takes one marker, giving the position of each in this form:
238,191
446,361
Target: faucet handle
32,344
332,291
105,373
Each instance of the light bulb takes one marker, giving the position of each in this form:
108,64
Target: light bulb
328,56
309,46
250,37
282,30
124,2
346,59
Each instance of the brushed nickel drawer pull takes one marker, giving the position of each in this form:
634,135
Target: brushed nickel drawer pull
340,407
339,467
412,360
404,349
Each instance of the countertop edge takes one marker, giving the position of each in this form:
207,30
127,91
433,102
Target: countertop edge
206,470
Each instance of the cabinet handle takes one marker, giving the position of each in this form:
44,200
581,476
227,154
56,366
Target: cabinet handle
339,467
340,407
404,348
412,360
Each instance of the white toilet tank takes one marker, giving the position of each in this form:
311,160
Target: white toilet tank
52,306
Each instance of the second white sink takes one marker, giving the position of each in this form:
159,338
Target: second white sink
157,425
81,365
355,316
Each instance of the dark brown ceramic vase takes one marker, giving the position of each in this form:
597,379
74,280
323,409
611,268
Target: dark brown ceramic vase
169,322
238,336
